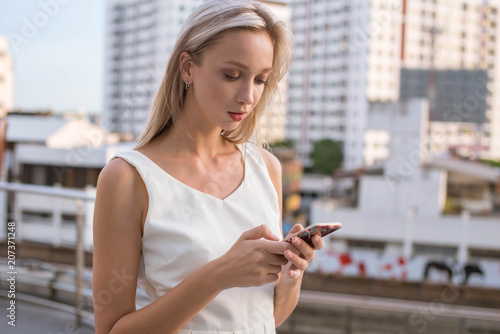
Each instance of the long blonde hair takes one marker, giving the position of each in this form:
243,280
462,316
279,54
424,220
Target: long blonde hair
202,29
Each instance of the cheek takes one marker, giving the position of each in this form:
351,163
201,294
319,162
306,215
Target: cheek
257,96
211,93
208,88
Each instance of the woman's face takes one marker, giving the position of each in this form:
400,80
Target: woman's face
230,80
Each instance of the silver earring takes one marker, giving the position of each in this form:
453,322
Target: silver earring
187,85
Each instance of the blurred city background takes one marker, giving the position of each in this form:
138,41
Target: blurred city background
388,121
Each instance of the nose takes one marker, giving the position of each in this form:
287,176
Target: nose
245,93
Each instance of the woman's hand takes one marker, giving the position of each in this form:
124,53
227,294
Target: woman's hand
255,259
298,262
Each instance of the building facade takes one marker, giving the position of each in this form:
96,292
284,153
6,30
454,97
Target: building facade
332,77
66,152
350,53
139,37
466,139
451,91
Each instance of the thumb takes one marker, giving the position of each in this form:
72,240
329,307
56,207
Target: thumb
296,228
261,231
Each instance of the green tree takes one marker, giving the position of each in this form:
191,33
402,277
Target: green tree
493,163
326,155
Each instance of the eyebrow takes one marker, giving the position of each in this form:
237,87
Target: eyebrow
243,66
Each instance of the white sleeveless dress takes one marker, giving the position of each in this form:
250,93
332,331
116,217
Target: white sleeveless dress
186,228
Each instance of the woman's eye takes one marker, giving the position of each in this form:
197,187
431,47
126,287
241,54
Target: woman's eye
230,77
261,82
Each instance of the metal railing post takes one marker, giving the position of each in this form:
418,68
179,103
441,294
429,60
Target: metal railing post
79,253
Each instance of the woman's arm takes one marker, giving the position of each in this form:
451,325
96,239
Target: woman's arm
287,289
120,209
286,292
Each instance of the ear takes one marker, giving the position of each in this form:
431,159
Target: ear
185,65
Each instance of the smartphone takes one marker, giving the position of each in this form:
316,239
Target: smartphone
322,229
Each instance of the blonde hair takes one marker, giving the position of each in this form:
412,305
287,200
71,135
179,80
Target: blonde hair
202,29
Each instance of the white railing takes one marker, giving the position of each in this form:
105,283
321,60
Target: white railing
40,218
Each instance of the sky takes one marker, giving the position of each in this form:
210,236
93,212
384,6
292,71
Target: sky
58,52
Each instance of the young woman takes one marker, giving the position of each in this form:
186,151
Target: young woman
193,213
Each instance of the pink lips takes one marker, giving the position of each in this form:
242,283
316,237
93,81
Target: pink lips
237,116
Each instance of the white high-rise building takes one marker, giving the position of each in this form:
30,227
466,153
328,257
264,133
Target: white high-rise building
139,38
327,78
350,52
6,78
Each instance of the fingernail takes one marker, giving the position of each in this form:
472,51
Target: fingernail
296,241
288,253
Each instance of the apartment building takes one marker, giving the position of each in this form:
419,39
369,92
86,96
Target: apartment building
350,53
330,80
139,37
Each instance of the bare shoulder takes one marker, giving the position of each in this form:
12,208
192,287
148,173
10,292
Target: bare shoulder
117,170
120,186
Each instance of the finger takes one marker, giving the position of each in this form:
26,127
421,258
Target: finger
274,247
272,278
271,269
306,249
296,260
295,228
294,273
261,231
317,242
277,260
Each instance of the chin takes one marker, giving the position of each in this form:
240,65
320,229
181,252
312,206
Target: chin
231,127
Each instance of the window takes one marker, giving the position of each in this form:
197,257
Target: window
377,246
435,250
484,254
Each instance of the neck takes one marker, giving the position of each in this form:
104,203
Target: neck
194,135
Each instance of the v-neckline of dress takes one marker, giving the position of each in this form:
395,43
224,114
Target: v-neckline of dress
245,168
